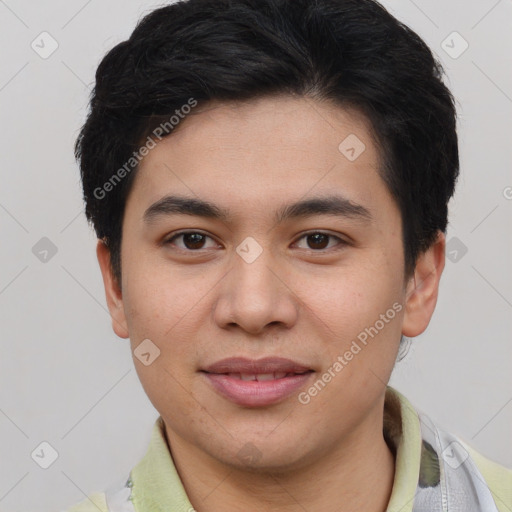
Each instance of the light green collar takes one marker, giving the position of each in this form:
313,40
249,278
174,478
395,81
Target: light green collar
156,485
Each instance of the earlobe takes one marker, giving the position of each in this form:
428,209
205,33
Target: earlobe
113,292
423,287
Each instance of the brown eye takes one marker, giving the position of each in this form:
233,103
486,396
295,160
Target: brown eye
318,241
191,240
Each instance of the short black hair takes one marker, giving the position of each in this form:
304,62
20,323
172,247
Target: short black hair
351,52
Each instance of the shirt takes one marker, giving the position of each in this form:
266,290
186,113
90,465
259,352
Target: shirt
434,471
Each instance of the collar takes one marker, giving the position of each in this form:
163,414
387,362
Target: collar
433,471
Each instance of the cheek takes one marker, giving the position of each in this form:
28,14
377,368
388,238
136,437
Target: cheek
360,313
350,298
170,309
162,311
156,295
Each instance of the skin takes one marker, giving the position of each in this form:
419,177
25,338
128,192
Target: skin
298,300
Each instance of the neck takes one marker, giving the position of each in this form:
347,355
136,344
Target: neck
355,475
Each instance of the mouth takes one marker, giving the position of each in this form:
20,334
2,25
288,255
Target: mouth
261,377
257,383
265,366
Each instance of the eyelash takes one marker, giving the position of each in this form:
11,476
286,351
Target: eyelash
341,242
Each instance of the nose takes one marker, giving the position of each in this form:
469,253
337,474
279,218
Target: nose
256,294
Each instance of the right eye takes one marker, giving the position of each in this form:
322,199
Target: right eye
191,240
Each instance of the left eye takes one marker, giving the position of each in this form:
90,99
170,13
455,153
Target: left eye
318,240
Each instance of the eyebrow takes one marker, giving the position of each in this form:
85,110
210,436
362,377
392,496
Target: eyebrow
329,205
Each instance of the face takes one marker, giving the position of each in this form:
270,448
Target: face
286,254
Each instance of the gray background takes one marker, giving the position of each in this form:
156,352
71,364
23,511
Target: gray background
65,378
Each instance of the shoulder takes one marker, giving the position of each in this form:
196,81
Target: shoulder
117,498
498,478
94,503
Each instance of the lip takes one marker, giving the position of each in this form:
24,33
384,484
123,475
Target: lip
254,393
255,366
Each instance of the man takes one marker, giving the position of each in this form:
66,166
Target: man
268,181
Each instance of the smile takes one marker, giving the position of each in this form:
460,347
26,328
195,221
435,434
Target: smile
256,382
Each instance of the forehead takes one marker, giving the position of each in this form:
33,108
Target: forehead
280,122
249,153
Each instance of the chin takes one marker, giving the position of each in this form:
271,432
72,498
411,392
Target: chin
263,457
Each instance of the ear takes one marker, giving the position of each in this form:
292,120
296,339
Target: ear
112,291
422,288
